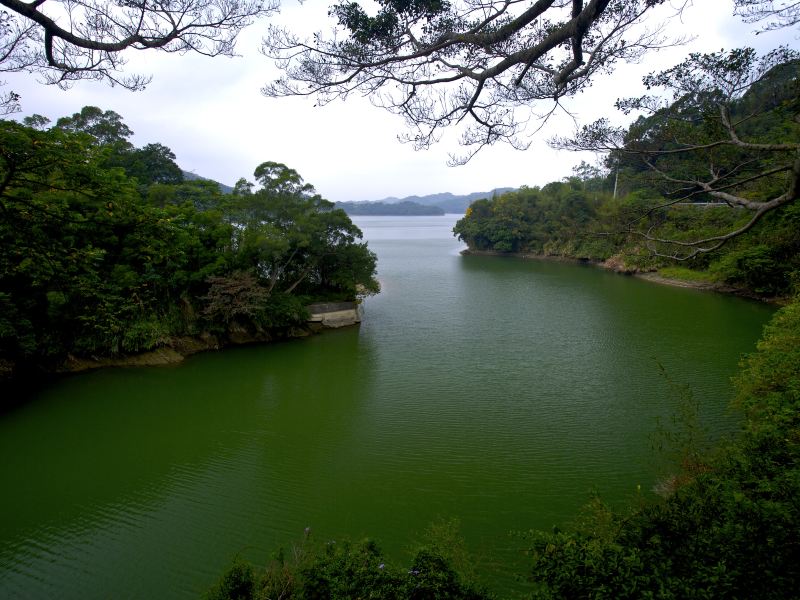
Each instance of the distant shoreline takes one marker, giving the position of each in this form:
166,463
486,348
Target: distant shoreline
617,267
383,209
176,349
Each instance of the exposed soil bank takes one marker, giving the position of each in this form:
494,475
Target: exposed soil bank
616,264
176,349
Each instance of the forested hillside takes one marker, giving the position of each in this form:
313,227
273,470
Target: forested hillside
714,194
107,250
449,203
405,208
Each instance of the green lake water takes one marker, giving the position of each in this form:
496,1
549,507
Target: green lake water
496,391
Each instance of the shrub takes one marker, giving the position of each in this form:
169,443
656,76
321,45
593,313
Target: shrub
237,583
344,570
755,268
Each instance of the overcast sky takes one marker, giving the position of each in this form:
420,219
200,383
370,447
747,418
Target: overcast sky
211,113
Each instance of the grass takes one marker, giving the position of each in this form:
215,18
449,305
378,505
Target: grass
685,274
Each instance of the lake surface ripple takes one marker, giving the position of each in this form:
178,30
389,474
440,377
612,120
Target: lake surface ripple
500,392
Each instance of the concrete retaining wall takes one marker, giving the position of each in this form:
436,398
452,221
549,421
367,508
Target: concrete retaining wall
334,314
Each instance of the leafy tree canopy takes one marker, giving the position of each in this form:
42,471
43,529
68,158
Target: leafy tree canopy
728,133
440,63
106,251
718,160
105,127
154,163
277,178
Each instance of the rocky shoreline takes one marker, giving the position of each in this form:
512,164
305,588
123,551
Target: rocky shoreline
617,265
176,349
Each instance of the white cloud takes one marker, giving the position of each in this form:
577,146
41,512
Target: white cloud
212,115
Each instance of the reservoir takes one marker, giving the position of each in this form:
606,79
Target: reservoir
496,391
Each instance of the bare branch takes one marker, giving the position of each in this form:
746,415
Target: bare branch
483,65
69,40
776,14
716,99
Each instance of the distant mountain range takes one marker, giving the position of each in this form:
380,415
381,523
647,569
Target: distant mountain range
431,204
450,203
393,209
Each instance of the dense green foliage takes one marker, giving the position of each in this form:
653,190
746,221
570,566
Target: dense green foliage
728,526
394,209
715,169
345,570
559,219
566,219
106,250
449,203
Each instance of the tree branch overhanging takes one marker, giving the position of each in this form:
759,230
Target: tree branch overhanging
709,140
483,65
68,40
773,14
